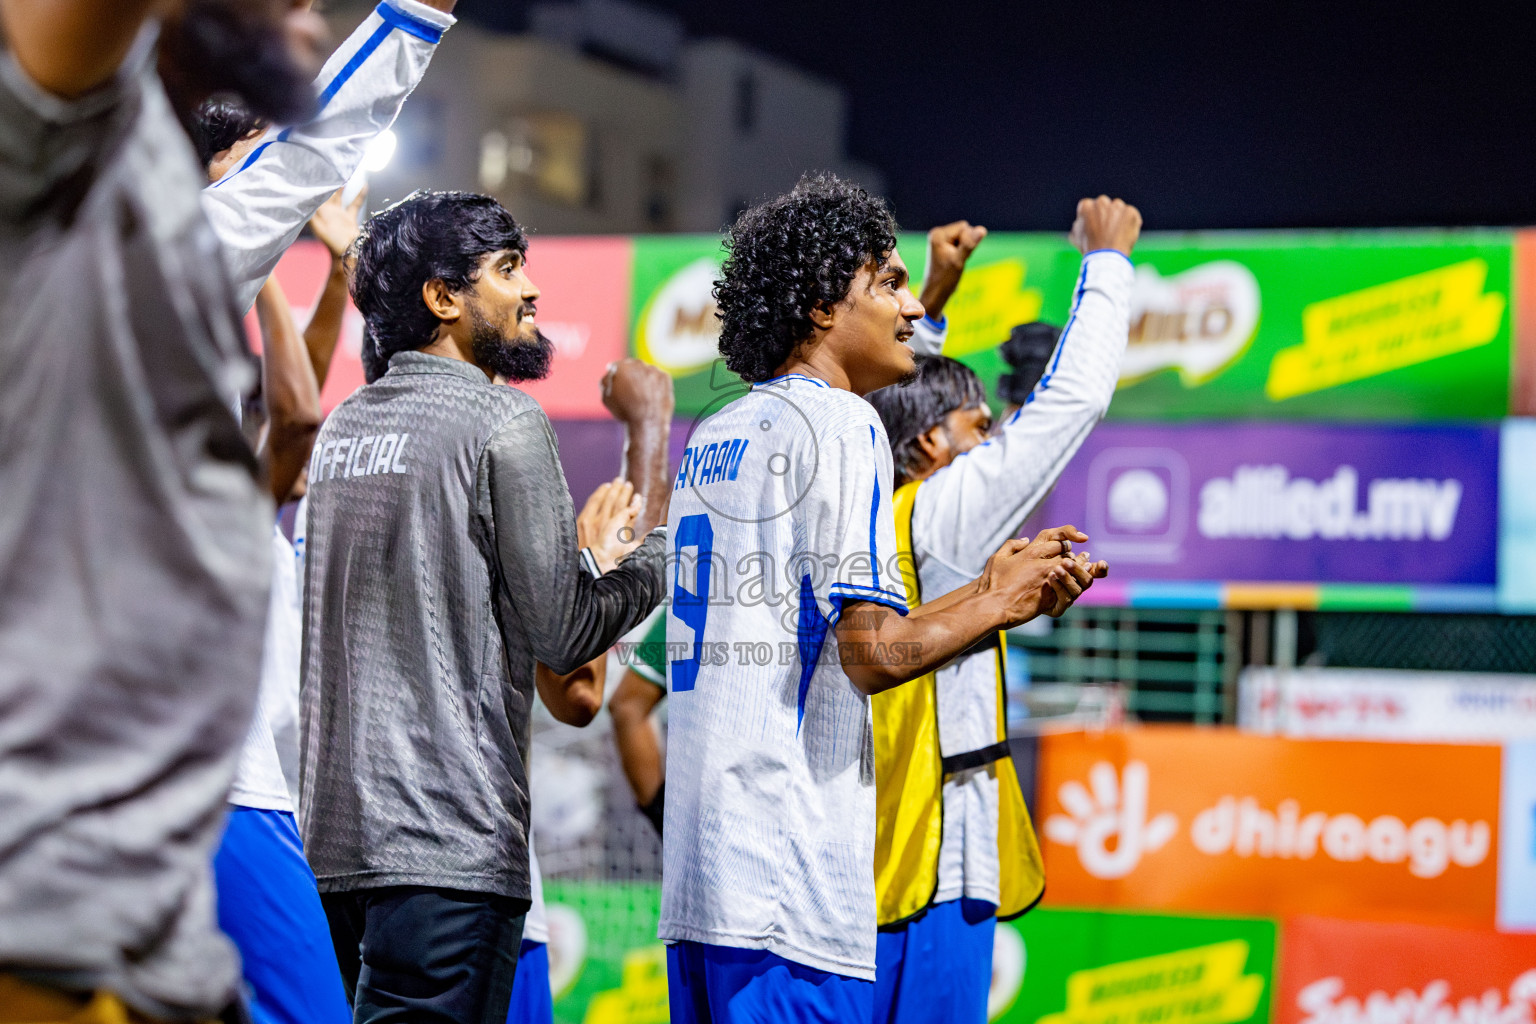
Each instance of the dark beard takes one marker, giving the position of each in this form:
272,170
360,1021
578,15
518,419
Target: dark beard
909,379
216,48
509,358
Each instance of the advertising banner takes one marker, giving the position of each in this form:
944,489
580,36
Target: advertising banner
1221,821
1313,325
1305,325
672,318
583,306
1517,839
1287,502
1091,967
583,309
1386,704
1353,972
606,965
1517,513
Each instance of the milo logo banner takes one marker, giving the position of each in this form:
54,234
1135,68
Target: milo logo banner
1093,967
1361,326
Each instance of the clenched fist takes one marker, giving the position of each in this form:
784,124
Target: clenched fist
635,391
1106,223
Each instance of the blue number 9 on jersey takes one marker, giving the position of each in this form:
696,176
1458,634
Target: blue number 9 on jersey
692,606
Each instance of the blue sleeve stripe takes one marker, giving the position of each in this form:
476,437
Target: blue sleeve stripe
248,161
811,636
896,604
940,324
423,30
874,510
1061,346
1117,252
855,592
363,53
393,19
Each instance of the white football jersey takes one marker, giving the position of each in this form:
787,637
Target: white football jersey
781,514
965,511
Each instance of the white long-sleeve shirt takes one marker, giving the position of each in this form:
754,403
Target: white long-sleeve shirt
259,207
968,509
257,210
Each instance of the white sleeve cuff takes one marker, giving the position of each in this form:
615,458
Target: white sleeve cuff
928,336
415,10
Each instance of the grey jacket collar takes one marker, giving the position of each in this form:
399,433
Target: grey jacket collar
421,362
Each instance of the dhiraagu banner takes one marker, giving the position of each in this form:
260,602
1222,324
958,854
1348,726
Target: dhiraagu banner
1096,967
1386,325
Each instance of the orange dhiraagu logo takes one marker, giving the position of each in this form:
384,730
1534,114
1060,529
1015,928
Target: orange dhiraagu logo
1204,985
1191,819
1387,327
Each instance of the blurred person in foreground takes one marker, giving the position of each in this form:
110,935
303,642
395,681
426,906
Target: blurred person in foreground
134,559
768,896
441,569
265,181
612,523
267,901
955,848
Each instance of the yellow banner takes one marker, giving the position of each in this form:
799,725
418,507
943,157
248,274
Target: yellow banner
1386,327
1203,985
641,997
990,302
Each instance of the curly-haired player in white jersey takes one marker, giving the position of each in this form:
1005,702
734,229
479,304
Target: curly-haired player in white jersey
788,611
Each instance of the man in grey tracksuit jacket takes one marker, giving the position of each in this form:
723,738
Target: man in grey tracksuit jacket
442,566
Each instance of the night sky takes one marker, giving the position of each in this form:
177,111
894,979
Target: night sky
1237,115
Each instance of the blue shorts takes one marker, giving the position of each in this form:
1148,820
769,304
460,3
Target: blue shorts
725,985
269,906
937,969
532,1002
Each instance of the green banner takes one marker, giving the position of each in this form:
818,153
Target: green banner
606,965
1093,967
1307,325
1049,967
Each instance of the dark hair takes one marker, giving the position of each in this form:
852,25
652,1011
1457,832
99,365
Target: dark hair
220,123
787,256
425,236
911,410
1027,352
232,46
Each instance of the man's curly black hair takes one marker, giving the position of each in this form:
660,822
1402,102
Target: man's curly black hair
424,236
787,256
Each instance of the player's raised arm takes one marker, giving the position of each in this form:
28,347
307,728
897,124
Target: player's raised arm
336,226
261,204
983,499
949,248
288,386
640,397
70,47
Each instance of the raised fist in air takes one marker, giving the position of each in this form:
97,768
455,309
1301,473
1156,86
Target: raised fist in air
1105,223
